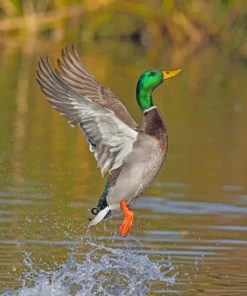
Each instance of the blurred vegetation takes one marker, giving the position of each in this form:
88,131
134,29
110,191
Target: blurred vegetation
147,22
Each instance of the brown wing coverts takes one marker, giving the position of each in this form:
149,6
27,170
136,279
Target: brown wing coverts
110,138
75,75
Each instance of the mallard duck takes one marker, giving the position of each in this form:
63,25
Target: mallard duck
131,155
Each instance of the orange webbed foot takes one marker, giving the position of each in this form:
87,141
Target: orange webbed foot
124,228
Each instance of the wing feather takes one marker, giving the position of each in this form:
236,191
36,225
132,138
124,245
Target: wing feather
75,75
109,138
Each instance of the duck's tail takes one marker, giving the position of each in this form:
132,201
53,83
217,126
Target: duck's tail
102,210
100,216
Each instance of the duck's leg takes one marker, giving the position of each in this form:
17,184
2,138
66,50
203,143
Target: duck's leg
128,219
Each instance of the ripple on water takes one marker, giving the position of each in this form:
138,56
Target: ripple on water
104,271
165,205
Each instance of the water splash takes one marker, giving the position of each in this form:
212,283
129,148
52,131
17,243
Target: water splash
103,271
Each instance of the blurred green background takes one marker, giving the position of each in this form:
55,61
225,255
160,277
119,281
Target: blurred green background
188,24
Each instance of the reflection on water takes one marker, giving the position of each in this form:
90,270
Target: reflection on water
189,235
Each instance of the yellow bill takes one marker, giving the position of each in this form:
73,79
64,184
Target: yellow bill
170,74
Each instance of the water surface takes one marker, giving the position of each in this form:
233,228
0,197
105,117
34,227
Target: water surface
190,230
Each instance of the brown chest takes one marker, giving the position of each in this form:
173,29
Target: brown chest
153,125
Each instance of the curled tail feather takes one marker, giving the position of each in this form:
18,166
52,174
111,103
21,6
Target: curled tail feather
100,216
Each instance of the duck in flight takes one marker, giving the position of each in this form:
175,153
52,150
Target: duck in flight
131,155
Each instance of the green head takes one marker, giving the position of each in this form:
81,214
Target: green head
147,82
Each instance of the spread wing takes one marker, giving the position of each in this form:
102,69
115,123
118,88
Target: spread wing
110,138
77,77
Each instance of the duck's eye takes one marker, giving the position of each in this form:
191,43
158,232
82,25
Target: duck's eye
152,73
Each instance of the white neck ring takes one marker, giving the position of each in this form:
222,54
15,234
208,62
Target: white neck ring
149,109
